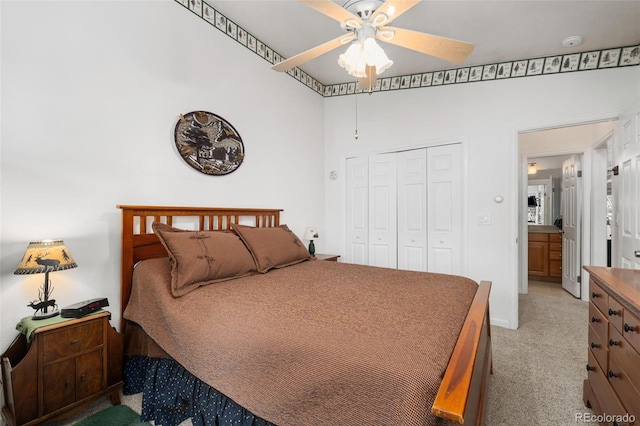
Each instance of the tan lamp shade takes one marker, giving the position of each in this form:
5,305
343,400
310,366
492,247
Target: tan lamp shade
45,256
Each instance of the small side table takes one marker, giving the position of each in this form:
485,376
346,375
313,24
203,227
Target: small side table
329,257
64,367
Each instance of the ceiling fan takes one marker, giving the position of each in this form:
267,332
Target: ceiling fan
365,21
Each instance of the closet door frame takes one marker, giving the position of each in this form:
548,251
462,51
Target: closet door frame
463,163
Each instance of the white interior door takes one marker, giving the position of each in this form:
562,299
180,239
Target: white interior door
383,211
412,209
571,263
444,222
357,244
629,193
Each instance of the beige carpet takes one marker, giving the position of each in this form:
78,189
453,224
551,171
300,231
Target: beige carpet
538,369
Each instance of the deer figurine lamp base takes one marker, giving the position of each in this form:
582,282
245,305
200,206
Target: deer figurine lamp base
46,308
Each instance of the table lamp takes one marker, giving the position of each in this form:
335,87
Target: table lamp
45,256
311,234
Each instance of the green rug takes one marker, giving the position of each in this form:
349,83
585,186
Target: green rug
116,415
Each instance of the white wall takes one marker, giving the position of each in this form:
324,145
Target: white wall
91,92
486,117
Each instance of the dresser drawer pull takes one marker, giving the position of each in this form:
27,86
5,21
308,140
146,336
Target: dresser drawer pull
612,312
590,368
628,328
594,319
595,295
613,342
595,346
83,377
612,374
75,341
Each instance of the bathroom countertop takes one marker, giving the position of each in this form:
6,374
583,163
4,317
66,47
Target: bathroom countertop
544,229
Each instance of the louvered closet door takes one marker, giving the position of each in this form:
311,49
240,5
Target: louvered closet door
382,210
444,217
412,210
357,247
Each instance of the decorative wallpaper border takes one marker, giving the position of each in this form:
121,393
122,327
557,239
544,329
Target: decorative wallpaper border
581,61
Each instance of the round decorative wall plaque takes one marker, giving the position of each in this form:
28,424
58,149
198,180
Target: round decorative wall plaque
208,143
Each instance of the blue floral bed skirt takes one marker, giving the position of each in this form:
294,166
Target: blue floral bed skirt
171,395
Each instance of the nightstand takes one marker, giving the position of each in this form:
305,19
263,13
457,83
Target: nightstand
61,369
329,257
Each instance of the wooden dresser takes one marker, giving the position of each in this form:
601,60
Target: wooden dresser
64,368
612,386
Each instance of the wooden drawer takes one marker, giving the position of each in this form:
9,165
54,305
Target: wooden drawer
624,372
555,255
600,348
555,268
556,238
614,313
607,399
535,236
598,296
68,341
599,322
631,329
556,249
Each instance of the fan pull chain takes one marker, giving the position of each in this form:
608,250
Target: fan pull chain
355,136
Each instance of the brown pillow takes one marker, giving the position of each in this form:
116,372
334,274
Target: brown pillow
203,257
272,247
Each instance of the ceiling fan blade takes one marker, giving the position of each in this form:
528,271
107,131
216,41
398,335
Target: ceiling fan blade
392,9
310,54
332,10
441,47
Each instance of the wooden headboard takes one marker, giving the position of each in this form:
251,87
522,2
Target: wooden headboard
140,243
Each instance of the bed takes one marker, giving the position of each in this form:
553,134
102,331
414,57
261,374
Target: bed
291,342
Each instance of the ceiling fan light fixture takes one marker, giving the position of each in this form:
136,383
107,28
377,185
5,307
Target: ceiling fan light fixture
359,55
375,56
350,59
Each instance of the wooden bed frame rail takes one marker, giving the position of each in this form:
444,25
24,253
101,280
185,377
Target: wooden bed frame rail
460,398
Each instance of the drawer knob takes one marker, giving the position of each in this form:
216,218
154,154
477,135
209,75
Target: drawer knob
612,374
594,346
594,319
612,312
594,295
590,368
613,342
628,328
75,341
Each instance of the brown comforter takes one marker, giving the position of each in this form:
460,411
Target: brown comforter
318,343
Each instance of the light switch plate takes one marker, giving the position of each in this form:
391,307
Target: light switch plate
484,220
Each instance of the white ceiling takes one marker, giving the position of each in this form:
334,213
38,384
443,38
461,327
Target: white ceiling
501,30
